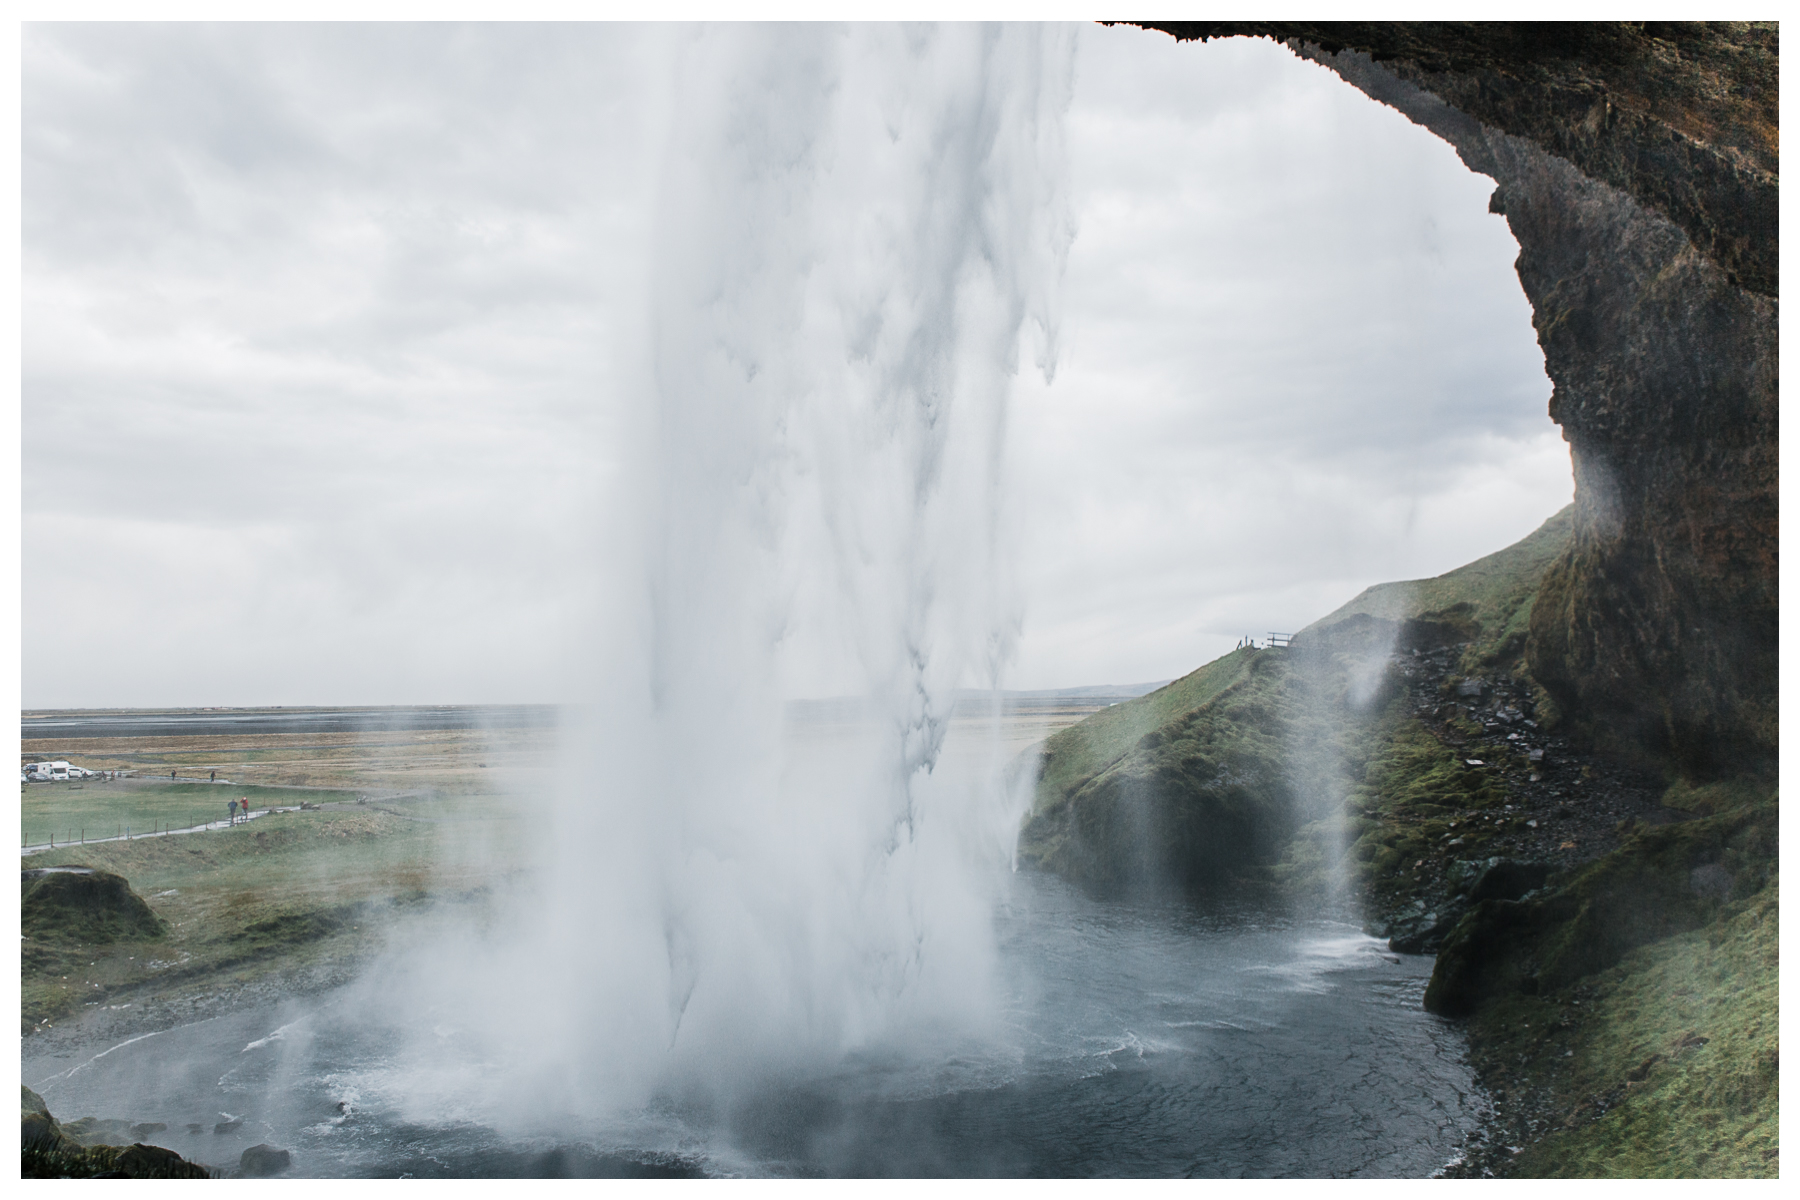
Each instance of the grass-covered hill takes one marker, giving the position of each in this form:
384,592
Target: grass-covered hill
1204,784
1486,603
1611,935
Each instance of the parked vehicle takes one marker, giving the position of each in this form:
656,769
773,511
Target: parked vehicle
54,772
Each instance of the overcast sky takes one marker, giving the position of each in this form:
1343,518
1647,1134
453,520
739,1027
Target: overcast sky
326,329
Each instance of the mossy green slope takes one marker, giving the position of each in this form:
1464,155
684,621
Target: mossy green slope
1698,1015
284,891
1107,736
1661,882
1486,603
1237,772
1204,784
1664,1065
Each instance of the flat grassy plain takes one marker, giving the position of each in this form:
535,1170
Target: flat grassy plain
389,760
284,891
96,809
404,821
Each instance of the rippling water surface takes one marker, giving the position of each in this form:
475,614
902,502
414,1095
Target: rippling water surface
1139,1040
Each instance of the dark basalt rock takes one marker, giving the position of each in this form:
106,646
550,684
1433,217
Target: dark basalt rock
1656,631
1424,933
262,1161
1470,883
1475,960
1508,880
139,1161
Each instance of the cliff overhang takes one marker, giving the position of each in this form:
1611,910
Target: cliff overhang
1637,166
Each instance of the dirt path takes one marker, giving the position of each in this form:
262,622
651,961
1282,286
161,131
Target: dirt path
211,826
27,851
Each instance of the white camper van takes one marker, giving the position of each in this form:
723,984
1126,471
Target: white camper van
53,772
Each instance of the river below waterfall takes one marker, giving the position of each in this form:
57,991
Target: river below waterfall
1138,1040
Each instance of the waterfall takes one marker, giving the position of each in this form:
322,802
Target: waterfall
858,237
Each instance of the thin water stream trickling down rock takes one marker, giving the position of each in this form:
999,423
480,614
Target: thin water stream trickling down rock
1554,767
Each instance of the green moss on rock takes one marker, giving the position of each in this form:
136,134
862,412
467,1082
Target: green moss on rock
82,904
1666,880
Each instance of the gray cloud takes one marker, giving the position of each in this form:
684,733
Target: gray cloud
319,321
1299,363
330,331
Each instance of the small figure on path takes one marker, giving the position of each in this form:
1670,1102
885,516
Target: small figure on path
171,774
212,777
232,807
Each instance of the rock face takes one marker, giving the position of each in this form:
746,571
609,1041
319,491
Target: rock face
1666,880
1636,167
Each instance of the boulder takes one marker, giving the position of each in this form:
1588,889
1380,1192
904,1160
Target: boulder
262,1161
82,904
1506,879
1461,875
139,1161
1476,960
1425,932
